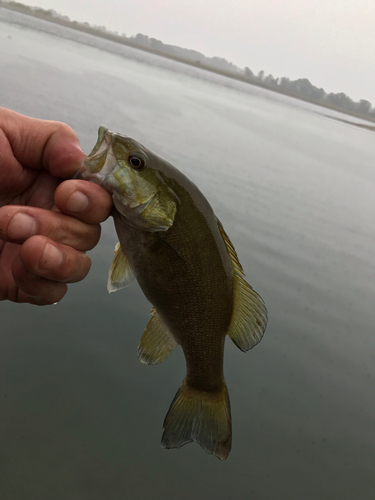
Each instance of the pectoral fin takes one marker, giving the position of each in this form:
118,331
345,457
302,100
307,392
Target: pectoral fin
156,342
120,273
249,317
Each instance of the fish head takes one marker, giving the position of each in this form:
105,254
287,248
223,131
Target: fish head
130,172
121,166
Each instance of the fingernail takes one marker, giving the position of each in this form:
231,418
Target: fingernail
22,226
51,258
77,202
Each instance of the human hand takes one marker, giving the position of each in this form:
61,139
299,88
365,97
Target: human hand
46,224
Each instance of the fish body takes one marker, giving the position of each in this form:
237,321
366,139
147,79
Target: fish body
185,264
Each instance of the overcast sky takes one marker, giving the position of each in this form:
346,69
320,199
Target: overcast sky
330,42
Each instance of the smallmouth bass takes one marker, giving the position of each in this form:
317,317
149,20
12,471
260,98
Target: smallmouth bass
171,241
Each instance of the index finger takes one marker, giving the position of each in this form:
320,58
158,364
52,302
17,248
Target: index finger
42,143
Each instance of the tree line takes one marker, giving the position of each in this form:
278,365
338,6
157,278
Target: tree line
301,88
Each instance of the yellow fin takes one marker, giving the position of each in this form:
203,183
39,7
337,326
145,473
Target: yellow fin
120,273
249,318
199,416
156,342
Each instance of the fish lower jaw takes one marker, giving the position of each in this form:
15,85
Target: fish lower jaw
84,174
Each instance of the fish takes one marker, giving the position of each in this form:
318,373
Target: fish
171,241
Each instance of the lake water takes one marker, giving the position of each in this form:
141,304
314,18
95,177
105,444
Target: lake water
81,418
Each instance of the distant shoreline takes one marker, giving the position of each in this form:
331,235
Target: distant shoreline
371,128
46,16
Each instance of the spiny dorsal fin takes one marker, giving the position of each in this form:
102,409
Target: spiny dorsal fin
156,342
249,317
120,273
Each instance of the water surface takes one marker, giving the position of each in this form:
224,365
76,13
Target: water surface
81,418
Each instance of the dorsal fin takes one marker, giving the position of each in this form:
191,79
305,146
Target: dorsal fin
156,342
120,273
249,317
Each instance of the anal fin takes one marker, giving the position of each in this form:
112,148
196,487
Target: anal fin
156,342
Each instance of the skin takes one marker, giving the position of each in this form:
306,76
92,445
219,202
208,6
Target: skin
47,223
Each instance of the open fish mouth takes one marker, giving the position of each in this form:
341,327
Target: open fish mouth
104,137
100,162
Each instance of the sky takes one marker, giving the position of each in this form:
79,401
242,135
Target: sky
330,42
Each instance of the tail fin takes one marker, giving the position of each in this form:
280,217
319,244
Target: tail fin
199,416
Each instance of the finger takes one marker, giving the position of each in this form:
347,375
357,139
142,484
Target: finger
17,223
34,289
86,201
50,260
42,144
13,177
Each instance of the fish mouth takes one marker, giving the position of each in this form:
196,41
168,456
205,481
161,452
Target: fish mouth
103,135
100,162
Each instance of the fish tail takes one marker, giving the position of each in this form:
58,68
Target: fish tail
199,416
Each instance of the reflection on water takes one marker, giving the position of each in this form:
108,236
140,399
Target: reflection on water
81,417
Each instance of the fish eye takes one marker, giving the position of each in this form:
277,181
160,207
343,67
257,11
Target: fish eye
136,162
